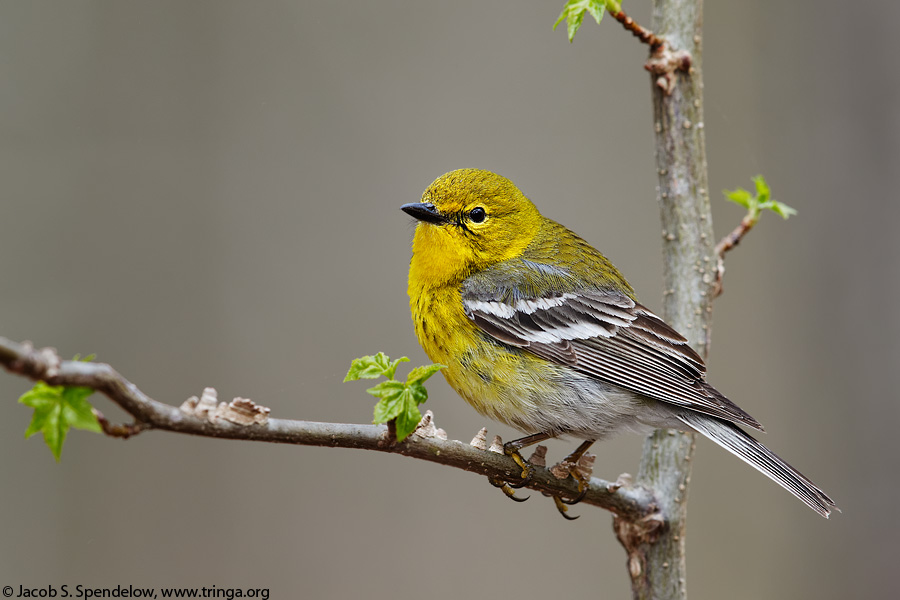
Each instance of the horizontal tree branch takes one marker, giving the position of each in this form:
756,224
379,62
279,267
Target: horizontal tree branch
630,502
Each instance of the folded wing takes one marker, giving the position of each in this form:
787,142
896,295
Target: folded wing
603,333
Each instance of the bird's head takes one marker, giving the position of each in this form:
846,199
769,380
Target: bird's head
469,219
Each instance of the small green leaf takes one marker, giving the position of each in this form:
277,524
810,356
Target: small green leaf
54,431
78,411
402,404
781,209
421,374
398,401
418,393
740,196
373,367
573,13
43,399
573,24
387,409
389,372
387,389
407,421
401,407
56,409
763,193
760,202
363,368
392,398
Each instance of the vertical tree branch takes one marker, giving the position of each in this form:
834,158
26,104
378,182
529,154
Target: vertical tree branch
657,563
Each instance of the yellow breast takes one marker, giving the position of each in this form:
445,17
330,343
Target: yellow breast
502,383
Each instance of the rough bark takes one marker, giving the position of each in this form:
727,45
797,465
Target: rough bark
657,557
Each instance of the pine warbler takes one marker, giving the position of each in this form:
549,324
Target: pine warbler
540,331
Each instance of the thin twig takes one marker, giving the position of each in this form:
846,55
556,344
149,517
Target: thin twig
119,430
728,242
663,62
645,35
625,500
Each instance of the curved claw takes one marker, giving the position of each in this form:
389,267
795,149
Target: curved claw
511,494
506,488
574,500
563,509
582,491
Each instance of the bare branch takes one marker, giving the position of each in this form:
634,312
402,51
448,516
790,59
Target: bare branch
645,35
118,430
425,443
663,61
728,242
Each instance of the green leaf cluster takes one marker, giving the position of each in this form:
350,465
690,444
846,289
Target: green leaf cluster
56,409
399,401
574,10
759,202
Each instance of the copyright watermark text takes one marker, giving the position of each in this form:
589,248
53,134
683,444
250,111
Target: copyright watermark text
130,591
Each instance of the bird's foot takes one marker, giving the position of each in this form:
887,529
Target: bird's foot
507,488
511,449
574,466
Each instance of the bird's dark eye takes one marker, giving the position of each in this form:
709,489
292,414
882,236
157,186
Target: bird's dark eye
477,215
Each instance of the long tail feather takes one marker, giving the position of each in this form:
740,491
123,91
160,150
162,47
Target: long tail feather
739,443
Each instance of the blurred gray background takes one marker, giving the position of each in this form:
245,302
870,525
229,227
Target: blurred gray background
206,194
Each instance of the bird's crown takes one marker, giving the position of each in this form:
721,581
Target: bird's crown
460,191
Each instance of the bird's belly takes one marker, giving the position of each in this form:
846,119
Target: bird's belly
534,395
515,387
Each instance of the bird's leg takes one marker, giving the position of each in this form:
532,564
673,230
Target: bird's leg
570,463
511,449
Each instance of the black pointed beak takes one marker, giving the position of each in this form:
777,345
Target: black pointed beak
424,211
